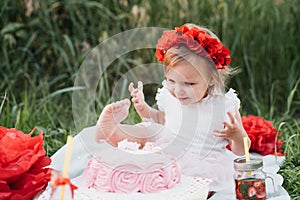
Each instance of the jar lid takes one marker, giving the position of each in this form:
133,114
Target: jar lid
240,164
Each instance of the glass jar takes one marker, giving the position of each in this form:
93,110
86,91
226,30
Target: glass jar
250,179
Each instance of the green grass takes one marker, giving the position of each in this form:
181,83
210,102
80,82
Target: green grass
290,170
41,53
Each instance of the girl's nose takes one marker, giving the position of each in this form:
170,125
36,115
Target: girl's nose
178,90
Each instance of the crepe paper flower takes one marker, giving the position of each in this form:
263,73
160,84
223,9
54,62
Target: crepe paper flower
263,135
22,164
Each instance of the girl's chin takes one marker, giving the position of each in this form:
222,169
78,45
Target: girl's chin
185,102
188,102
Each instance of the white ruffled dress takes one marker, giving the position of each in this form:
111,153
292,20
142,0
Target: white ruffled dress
190,136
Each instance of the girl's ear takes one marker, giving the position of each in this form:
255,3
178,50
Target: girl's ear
211,81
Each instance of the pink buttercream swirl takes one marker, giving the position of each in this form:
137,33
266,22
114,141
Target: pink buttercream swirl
102,182
97,175
174,173
90,173
131,178
126,179
155,179
160,177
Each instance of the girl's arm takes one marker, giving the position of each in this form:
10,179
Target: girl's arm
237,143
142,108
235,133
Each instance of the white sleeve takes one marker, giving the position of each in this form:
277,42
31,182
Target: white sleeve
161,96
232,102
84,147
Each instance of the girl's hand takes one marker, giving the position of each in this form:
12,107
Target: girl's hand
233,131
137,95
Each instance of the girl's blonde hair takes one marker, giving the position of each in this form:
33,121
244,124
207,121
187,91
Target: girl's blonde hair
219,76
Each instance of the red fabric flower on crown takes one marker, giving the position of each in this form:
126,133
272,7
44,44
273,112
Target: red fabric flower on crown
197,41
23,172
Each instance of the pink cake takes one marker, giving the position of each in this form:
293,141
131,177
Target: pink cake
132,170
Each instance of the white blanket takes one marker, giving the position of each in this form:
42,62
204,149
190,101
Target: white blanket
84,147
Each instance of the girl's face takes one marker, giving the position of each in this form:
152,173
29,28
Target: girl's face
187,83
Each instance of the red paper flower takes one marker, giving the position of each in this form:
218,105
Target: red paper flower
262,134
196,40
22,164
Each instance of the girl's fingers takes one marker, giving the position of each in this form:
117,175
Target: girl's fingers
135,100
220,135
140,90
140,86
226,124
134,92
219,131
216,131
231,117
130,87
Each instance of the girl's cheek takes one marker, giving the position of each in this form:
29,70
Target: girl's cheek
171,92
171,86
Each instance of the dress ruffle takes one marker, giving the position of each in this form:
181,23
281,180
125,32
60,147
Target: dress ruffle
232,102
161,93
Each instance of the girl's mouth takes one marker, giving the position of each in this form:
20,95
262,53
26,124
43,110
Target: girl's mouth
182,98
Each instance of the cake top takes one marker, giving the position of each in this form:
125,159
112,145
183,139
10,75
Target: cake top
134,147
128,153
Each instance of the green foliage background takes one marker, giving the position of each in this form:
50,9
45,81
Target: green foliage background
43,44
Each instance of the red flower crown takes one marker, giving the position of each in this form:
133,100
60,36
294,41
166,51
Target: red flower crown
196,40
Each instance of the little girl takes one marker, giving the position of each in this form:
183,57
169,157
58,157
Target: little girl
198,118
